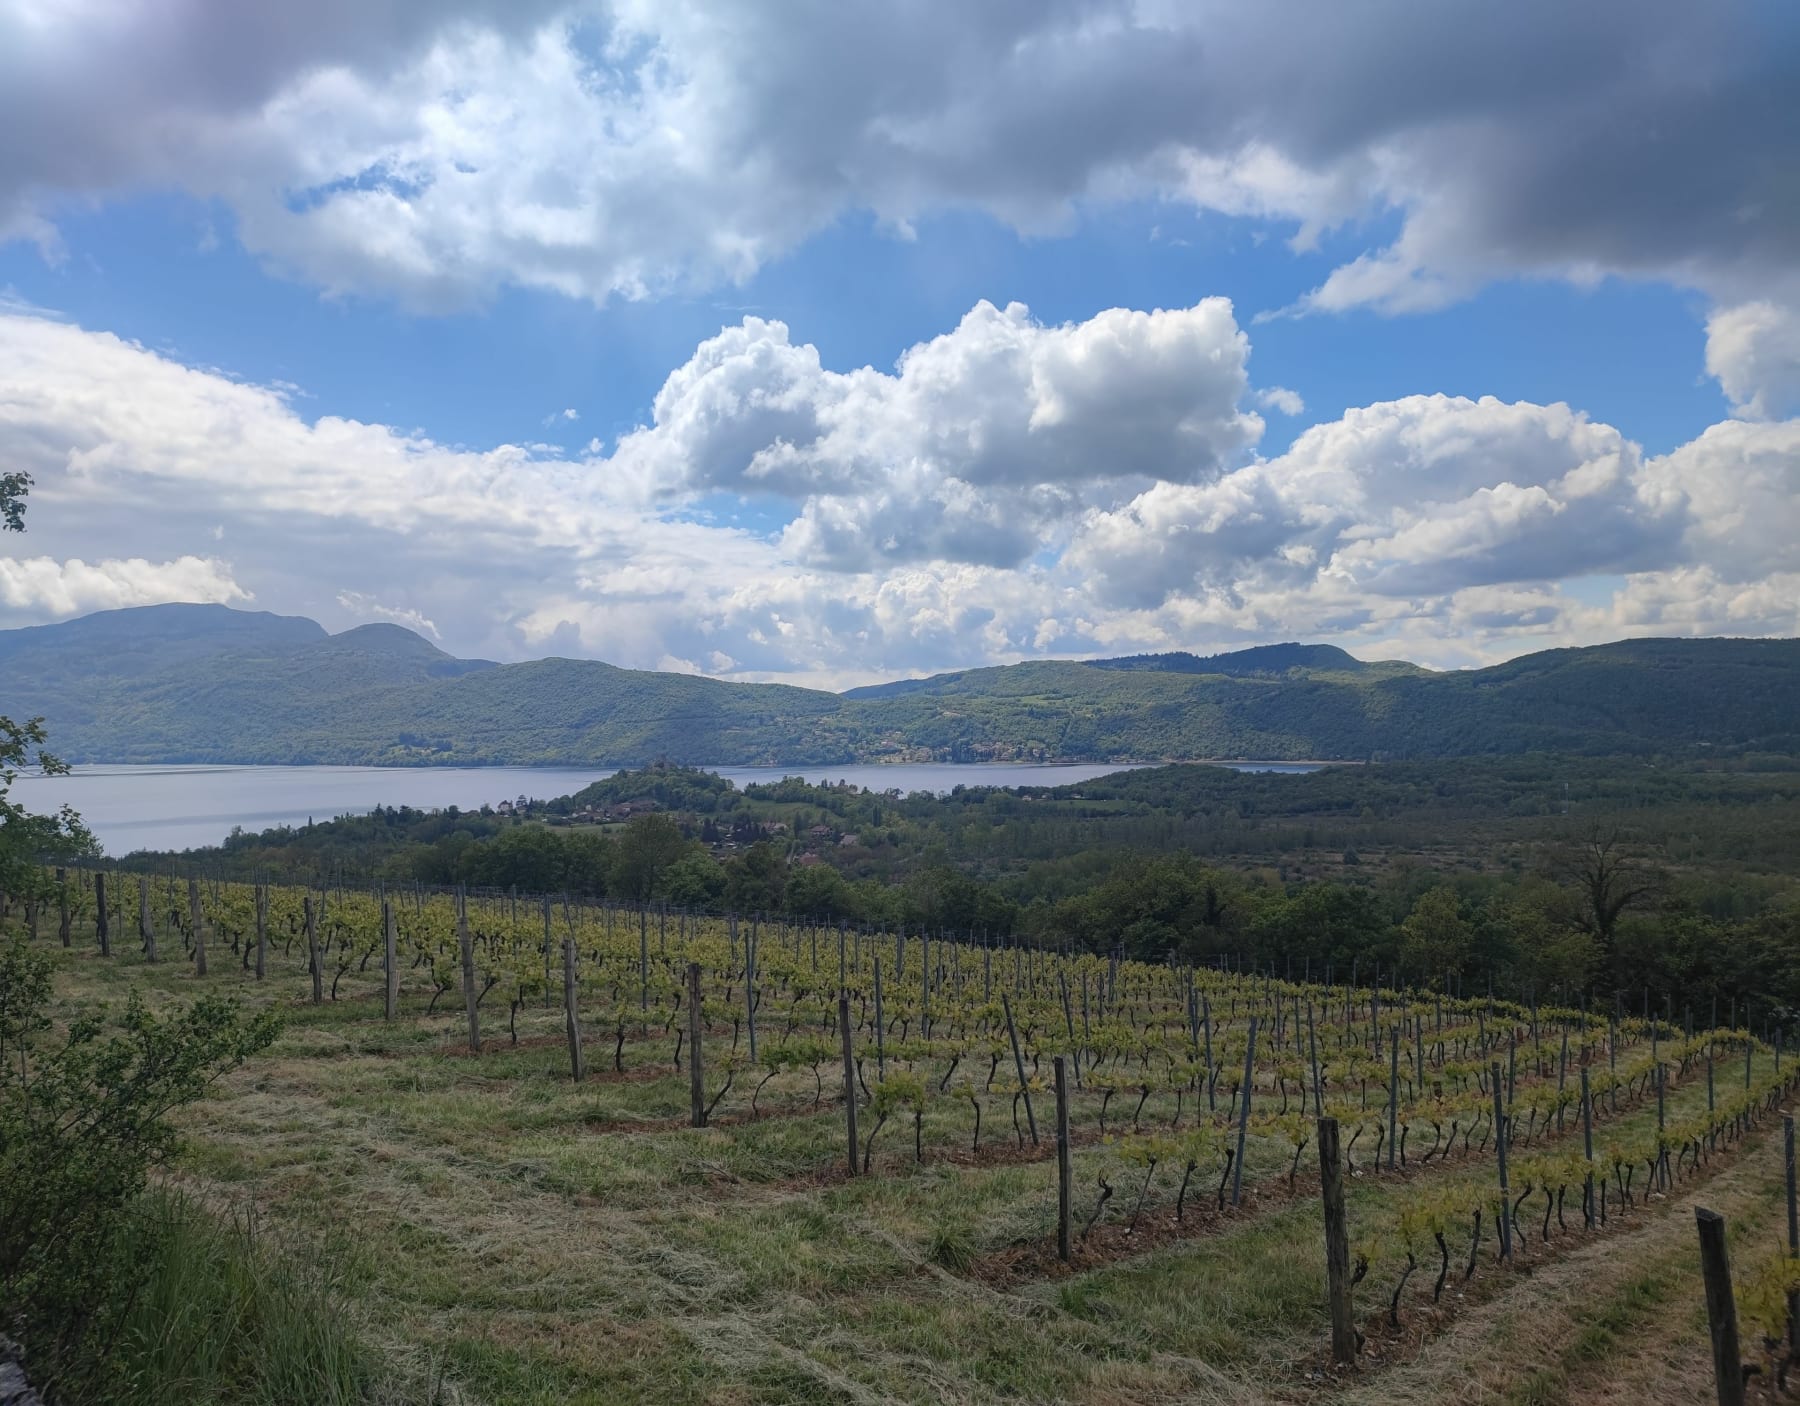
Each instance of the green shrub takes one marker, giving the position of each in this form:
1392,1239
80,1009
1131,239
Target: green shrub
83,1120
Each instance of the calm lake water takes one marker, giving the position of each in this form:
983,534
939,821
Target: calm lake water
181,807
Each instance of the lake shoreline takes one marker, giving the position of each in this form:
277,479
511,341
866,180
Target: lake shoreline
403,768
164,806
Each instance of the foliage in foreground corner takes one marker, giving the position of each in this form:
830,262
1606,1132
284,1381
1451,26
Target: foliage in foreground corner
83,1120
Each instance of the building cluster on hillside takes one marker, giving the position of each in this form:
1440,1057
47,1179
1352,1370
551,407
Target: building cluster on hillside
612,814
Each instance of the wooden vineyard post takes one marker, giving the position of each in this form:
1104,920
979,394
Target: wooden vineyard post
1237,1166
571,1016
1212,1084
1793,1210
643,961
925,978
1069,1023
100,929
1612,1061
696,1028
1337,1244
1012,1033
1721,1308
1500,1153
1393,1096
261,905
199,928
390,958
547,945
146,925
312,946
470,999
1064,1173
1312,1040
749,987
880,1028
1587,1141
849,1076
1562,1077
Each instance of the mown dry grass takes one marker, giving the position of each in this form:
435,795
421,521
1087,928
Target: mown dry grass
502,1250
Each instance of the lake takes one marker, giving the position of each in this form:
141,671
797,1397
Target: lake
182,807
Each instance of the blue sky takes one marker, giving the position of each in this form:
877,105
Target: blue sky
294,321
1626,352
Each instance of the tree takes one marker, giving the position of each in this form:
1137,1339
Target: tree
819,891
1548,952
648,846
13,488
1324,923
756,880
1607,878
1434,939
693,881
27,840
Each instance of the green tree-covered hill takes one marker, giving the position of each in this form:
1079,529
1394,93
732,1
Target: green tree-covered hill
210,684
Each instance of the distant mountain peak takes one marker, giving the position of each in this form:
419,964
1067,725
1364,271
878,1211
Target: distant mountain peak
1259,659
383,636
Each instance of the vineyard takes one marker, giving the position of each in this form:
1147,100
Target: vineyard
590,1152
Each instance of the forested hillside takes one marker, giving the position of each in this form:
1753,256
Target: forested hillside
209,684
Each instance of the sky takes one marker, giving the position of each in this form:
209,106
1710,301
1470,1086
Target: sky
826,343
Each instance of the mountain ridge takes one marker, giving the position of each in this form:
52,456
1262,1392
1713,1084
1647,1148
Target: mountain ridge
212,684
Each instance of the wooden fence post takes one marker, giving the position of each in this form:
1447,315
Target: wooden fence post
1012,1032
470,999
1064,1173
199,927
101,931
849,1077
696,1029
262,929
1237,1166
312,947
571,1016
1337,1244
1721,1308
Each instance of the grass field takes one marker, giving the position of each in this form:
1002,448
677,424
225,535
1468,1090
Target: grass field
499,1234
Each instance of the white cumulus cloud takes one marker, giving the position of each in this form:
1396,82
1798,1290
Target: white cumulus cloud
1008,488
439,152
46,587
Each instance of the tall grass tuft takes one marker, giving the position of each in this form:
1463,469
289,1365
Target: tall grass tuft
223,1316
